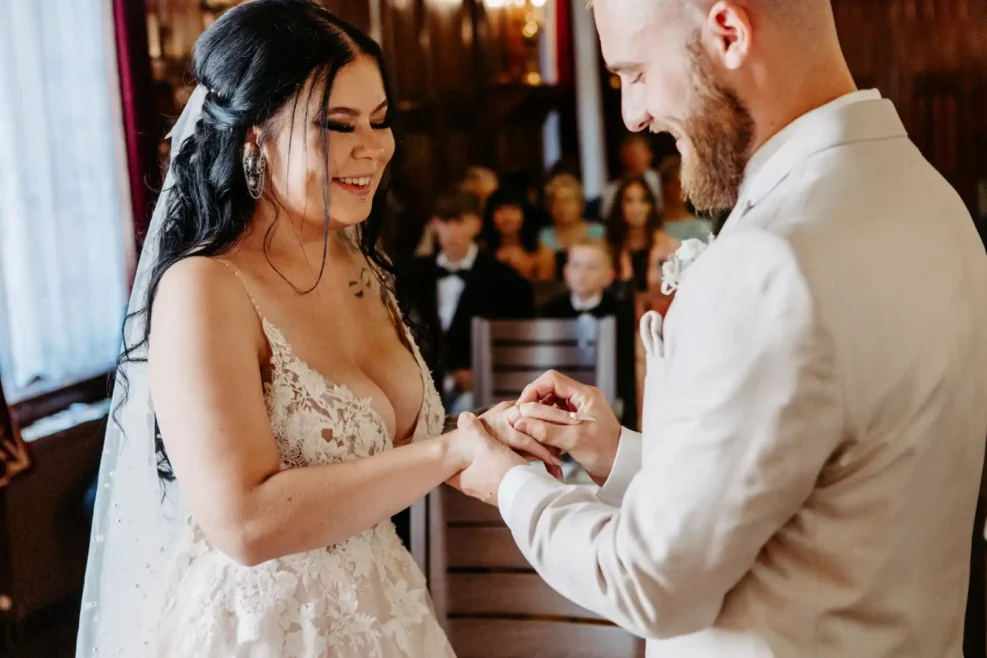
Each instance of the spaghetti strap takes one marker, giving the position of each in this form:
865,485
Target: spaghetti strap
243,285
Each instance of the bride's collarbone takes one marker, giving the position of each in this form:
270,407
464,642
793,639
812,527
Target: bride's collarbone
366,355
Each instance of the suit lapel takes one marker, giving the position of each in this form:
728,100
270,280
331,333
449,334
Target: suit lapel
462,313
819,130
428,301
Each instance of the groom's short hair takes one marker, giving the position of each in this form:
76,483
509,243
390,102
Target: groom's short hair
799,10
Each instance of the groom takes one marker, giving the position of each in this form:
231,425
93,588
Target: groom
816,403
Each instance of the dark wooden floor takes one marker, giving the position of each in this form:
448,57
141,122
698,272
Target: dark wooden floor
51,634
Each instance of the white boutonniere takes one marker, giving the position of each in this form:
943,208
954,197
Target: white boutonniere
673,269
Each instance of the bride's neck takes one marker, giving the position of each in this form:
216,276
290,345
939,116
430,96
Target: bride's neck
289,241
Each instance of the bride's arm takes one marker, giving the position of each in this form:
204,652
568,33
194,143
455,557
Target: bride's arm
207,390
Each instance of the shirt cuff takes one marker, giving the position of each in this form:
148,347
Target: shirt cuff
516,479
626,464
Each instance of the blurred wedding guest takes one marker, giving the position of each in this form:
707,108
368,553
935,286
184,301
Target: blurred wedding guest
635,235
566,203
677,221
589,273
564,165
460,283
511,236
480,182
637,160
531,182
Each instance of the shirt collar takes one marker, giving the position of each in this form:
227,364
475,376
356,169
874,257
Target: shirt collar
853,117
465,264
585,305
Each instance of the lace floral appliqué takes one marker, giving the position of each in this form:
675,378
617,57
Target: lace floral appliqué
362,598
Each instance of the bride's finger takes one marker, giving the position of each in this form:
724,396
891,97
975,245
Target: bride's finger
552,414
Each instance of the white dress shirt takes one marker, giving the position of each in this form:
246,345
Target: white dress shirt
585,305
451,287
814,420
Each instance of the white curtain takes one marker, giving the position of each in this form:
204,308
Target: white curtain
63,202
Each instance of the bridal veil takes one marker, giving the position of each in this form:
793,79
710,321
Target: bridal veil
138,517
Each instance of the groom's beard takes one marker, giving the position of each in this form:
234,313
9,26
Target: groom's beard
720,131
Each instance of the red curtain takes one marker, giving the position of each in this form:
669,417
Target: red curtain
136,95
563,41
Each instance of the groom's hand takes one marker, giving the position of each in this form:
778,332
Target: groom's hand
499,421
592,442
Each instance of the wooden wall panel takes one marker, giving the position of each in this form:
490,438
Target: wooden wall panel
357,13
449,42
462,100
47,523
401,34
930,58
421,156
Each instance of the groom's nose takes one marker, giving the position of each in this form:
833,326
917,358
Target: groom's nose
634,109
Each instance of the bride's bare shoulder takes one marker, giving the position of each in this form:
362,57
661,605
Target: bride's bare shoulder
206,293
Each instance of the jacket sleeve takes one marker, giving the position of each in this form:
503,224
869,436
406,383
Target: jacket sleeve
745,410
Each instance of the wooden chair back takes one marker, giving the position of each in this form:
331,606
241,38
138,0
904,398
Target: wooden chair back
509,354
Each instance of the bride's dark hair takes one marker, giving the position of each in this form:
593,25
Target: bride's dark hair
254,60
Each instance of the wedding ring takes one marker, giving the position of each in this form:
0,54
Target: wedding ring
514,407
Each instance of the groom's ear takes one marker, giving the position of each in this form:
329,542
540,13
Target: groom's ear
729,33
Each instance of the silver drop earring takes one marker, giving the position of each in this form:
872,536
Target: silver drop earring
254,171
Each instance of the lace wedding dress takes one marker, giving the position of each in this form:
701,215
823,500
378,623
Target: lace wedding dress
361,598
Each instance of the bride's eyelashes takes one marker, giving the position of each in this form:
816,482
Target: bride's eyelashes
342,127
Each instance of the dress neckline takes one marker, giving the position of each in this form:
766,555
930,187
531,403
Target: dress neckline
275,337
270,329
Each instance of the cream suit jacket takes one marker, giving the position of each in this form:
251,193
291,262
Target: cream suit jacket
814,423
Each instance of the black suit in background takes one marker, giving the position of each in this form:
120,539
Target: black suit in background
610,305
493,291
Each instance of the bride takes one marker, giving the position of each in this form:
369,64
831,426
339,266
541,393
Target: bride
249,513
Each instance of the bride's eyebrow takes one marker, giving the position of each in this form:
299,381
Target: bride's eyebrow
350,112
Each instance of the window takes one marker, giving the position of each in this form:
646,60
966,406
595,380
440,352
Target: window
64,204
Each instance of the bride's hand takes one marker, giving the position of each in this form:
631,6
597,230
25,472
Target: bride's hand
483,461
499,422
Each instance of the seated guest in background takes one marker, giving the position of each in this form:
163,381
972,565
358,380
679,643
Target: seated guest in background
511,236
455,286
566,203
480,182
677,221
531,183
636,159
635,235
588,275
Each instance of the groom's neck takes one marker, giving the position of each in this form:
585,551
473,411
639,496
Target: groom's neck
787,77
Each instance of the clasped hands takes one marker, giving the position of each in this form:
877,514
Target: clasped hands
554,415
